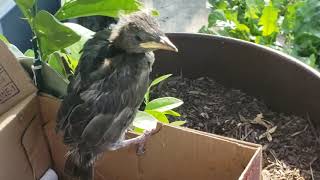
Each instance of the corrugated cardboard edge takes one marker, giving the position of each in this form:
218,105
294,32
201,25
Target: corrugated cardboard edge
19,80
254,167
24,150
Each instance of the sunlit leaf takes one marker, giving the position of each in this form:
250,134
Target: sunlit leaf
159,116
164,104
178,123
269,19
155,12
160,79
172,113
52,34
26,7
4,39
138,130
29,53
254,8
145,121
214,16
290,17
80,8
312,61
153,83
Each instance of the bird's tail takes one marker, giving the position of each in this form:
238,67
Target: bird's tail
79,165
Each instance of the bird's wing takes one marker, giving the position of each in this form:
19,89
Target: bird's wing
89,70
104,102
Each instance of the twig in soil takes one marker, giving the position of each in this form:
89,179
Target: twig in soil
313,129
245,137
299,132
311,171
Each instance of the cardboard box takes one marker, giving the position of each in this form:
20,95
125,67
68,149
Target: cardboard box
29,144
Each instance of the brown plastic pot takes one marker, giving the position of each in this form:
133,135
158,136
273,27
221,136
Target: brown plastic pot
283,82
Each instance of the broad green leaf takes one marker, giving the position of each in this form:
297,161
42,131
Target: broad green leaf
164,104
172,113
80,8
26,7
178,123
52,35
159,116
145,121
268,20
214,16
29,53
4,39
55,61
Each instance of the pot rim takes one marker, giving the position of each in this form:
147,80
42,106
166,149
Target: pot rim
286,57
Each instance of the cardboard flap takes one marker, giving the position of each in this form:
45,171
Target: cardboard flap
15,84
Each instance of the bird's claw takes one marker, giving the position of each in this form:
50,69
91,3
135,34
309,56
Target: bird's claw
141,145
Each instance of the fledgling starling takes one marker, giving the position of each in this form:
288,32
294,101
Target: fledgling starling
107,89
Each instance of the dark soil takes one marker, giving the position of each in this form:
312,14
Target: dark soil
289,142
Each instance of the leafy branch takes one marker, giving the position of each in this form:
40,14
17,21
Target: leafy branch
157,109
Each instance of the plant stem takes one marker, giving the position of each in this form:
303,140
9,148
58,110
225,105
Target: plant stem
37,65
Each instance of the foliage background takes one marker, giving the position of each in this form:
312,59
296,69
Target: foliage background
291,26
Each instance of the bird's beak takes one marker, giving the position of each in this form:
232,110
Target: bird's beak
164,44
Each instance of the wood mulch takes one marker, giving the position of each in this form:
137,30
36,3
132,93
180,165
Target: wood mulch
291,147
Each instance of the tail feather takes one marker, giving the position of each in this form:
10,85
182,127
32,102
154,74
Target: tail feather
79,165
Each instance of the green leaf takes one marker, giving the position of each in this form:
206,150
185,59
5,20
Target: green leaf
243,28
29,53
138,130
55,61
53,82
268,20
214,16
26,7
254,8
52,35
155,12
144,121
158,115
307,29
178,123
289,20
153,83
4,39
172,113
312,61
80,8
73,52
164,104
159,79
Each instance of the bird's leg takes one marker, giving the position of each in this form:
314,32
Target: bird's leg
139,140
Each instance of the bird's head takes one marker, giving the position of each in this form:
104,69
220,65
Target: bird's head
138,33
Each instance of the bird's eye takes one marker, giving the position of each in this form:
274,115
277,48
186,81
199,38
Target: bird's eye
138,38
